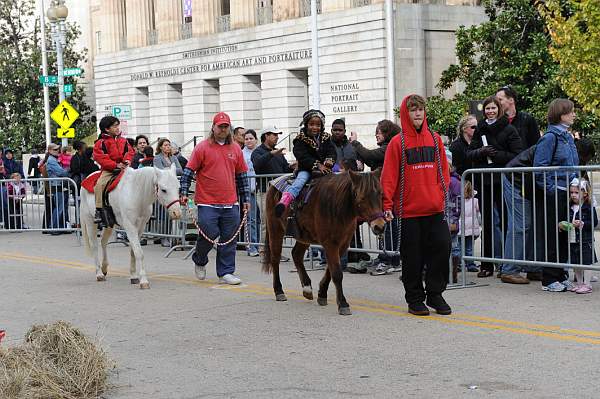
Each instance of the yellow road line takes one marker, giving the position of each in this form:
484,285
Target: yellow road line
540,330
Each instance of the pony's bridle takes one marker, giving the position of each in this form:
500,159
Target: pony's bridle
376,216
170,204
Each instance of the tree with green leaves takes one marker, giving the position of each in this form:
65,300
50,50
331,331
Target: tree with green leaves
21,94
511,48
574,27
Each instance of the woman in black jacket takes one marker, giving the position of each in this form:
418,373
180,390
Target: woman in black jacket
459,148
384,132
494,144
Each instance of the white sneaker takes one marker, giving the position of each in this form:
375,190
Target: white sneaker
200,272
230,279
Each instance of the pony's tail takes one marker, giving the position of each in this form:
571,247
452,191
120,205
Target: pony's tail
267,266
88,236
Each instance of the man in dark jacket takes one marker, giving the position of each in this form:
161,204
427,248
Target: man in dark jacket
268,160
345,154
525,124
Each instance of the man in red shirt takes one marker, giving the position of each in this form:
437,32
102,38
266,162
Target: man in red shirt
220,171
113,153
415,181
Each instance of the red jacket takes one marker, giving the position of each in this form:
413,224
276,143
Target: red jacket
109,151
423,193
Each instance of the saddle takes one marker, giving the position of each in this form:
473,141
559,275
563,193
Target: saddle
281,184
90,182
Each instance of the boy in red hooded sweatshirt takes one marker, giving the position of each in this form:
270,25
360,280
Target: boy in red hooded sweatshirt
415,181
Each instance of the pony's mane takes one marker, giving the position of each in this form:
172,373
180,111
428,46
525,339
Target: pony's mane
336,200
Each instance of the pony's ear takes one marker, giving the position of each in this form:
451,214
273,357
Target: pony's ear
173,169
377,173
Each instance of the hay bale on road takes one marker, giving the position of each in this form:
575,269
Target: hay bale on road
56,361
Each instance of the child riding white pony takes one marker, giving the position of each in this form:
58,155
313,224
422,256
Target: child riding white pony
131,202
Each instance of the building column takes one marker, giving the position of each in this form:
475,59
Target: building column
336,5
138,23
109,26
200,104
204,16
140,112
168,17
284,99
243,13
285,9
241,99
166,112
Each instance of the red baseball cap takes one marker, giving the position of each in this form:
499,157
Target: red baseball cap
221,119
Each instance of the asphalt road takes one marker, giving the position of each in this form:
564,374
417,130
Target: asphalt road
185,338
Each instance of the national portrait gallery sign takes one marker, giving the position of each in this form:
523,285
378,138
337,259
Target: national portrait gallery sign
234,63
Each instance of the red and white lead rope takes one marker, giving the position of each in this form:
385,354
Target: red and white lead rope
217,243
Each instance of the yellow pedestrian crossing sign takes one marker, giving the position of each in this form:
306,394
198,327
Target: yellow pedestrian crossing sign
65,133
64,114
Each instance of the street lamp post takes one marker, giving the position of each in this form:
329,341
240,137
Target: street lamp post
57,14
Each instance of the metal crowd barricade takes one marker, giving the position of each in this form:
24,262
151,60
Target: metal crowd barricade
47,205
527,227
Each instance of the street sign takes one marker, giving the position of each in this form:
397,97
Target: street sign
65,133
72,72
50,80
64,114
68,88
123,112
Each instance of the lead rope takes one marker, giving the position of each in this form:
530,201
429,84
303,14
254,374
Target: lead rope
215,242
400,208
442,181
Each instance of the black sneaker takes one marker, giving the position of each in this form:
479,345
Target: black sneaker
438,303
418,309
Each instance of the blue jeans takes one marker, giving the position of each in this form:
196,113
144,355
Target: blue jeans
455,248
58,208
222,223
4,205
253,225
299,182
519,230
468,250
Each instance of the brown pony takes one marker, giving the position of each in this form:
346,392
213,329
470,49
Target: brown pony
329,219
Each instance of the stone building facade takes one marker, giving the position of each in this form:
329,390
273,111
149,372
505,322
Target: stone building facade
166,66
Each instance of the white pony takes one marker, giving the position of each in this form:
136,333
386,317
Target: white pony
131,202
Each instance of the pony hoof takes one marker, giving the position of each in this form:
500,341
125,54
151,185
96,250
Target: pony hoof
135,280
100,278
145,286
345,311
307,293
280,298
322,301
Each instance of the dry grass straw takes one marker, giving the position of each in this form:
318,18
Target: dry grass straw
56,361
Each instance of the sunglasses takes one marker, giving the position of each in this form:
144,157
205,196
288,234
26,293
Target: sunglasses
472,127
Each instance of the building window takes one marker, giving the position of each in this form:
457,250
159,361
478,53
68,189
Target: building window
225,7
